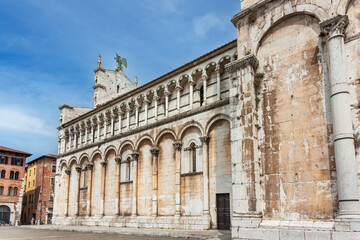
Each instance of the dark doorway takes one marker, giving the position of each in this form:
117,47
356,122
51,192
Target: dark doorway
223,211
5,214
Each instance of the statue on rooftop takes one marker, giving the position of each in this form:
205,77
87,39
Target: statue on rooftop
120,61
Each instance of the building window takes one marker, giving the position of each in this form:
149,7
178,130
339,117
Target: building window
53,168
15,191
17,161
202,95
28,184
51,199
16,175
1,190
30,173
11,191
3,173
192,157
12,175
33,183
3,160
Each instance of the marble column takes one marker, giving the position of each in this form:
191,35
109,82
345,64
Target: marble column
205,78
75,139
346,168
105,128
127,118
135,158
102,194
89,168
177,147
146,105
191,94
67,186
218,82
178,90
156,99
77,200
117,185
120,121
112,124
136,114
98,131
205,165
155,154
167,94
93,126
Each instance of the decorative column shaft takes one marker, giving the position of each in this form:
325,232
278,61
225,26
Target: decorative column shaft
177,147
205,78
81,138
127,118
105,129
178,90
155,154
166,93
205,145
98,131
346,168
117,185
218,82
192,83
77,200
66,208
89,168
93,132
135,157
120,123
146,102
112,125
102,194
156,99
136,115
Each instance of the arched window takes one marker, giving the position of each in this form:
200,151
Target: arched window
15,191
117,88
12,175
1,190
192,157
202,95
16,175
11,191
3,173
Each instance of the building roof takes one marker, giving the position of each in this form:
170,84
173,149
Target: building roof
14,150
43,156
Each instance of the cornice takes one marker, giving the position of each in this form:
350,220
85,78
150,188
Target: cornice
192,112
246,11
242,63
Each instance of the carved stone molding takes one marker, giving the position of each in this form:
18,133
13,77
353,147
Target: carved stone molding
205,139
135,155
242,63
335,26
90,166
118,159
103,163
78,168
67,171
155,151
177,146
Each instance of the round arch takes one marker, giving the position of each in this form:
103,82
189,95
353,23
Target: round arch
96,152
304,9
214,119
123,144
108,149
83,157
62,164
163,132
189,125
143,138
72,161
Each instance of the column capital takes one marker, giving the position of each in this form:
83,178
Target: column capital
118,159
242,63
156,97
135,155
218,70
178,88
146,101
90,166
67,171
335,26
78,168
177,146
103,163
205,139
155,151
204,76
167,93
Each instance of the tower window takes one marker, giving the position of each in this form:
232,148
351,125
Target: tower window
201,95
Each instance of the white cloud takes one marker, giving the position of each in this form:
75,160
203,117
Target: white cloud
17,120
204,24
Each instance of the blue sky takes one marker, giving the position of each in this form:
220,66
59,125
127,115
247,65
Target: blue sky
49,49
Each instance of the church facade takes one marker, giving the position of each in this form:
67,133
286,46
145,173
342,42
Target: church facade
259,136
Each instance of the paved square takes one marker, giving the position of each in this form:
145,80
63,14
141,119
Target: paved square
15,233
